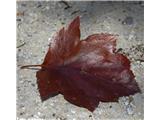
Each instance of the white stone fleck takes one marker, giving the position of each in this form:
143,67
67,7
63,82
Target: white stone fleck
72,111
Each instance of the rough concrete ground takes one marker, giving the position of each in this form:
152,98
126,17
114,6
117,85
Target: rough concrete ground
37,21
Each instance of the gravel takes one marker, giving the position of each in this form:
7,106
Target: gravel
38,20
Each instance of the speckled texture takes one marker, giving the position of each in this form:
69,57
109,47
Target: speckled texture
37,21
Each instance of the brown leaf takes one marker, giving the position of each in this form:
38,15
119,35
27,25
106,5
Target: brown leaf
85,72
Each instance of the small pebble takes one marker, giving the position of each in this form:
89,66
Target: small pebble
128,21
126,102
33,84
18,19
21,113
73,111
47,7
35,116
130,110
39,113
39,5
123,11
21,81
138,62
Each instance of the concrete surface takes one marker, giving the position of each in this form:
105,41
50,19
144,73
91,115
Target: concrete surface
37,21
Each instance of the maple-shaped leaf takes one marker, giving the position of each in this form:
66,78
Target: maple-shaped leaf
85,71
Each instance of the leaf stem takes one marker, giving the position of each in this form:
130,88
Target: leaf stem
28,66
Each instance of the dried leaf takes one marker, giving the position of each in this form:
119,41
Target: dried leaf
85,72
